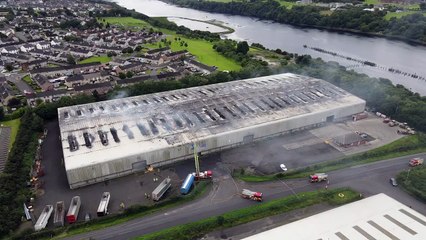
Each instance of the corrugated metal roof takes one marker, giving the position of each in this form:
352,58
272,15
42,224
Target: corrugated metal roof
181,115
377,217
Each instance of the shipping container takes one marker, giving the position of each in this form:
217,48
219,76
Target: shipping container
103,204
72,214
58,217
187,184
161,189
44,218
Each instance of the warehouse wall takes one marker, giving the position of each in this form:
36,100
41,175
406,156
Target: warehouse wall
212,143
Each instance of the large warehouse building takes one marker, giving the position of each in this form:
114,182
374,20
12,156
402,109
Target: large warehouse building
376,217
113,138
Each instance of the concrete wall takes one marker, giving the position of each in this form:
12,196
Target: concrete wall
212,143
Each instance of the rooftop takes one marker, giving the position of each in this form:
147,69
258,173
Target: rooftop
155,121
376,217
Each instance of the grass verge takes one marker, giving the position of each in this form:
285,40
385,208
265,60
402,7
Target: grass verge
405,146
124,22
135,211
414,181
201,49
101,59
14,125
197,229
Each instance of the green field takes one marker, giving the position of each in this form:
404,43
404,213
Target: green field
14,124
204,52
414,181
372,1
124,22
288,5
390,15
102,59
195,230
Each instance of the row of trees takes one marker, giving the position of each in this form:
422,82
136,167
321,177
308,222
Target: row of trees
16,172
412,27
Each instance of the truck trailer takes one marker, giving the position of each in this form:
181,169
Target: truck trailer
256,196
204,175
44,218
161,189
103,204
58,217
72,214
187,184
318,177
416,162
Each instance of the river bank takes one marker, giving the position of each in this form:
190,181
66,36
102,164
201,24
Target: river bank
227,30
382,51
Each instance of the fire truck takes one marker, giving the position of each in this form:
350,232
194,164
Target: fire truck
256,196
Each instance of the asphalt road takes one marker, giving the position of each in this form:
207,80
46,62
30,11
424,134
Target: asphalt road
16,78
368,179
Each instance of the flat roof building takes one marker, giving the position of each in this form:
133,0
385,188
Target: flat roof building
376,217
104,140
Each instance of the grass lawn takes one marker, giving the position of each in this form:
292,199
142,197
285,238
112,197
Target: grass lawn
372,1
195,230
414,181
124,22
288,5
52,65
102,59
390,15
204,52
28,79
14,124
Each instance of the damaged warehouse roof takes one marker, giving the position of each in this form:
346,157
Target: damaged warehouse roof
102,131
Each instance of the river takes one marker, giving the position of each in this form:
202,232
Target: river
385,53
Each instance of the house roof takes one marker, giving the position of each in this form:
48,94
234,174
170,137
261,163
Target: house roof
92,86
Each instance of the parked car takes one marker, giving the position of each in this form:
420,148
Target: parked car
283,167
393,182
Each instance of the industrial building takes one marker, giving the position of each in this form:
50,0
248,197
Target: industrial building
113,138
376,217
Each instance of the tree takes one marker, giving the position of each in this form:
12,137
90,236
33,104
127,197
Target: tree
138,48
14,102
423,6
129,74
9,67
122,75
71,59
107,25
186,44
1,113
243,47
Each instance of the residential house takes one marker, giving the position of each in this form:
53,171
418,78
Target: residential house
133,67
172,56
200,66
80,52
49,96
6,92
55,43
10,50
101,88
43,45
43,82
91,78
27,47
68,70
131,81
158,51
